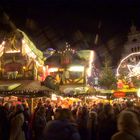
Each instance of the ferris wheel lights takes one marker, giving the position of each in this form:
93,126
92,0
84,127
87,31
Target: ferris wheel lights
134,70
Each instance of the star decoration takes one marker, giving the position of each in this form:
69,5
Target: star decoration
134,70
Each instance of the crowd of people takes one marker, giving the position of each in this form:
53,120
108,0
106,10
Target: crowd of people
79,121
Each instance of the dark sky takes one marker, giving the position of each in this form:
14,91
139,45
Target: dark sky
65,17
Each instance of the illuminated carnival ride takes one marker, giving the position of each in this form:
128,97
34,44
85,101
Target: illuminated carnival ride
129,66
128,72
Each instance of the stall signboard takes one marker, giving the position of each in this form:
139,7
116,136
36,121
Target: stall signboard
119,94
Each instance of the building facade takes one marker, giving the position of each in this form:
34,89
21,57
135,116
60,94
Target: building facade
133,44
129,65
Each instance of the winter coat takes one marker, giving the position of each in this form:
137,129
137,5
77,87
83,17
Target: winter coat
106,126
61,130
126,136
39,126
16,131
4,124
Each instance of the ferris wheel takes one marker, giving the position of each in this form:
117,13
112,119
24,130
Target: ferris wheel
129,66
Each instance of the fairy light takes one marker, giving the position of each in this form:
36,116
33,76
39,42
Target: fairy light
134,69
13,51
28,50
53,69
90,63
76,68
38,64
2,46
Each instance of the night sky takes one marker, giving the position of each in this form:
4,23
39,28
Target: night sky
51,22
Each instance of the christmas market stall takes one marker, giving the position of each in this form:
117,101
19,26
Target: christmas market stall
20,59
29,90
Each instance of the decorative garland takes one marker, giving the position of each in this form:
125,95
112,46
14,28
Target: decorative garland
26,93
41,93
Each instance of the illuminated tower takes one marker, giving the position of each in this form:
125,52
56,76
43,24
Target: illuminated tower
129,65
133,44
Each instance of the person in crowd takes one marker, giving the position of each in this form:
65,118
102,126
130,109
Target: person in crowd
39,123
131,107
82,118
92,125
116,108
51,120
32,123
27,119
17,121
62,128
74,113
128,126
4,122
106,123
49,112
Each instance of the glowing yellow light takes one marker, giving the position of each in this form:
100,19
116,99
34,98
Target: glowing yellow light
103,97
54,97
38,64
13,51
53,69
3,43
24,67
2,48
28,50
30,53
76,68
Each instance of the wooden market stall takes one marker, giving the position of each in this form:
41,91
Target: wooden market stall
20,59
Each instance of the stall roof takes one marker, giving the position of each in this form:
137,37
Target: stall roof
36,51
28,88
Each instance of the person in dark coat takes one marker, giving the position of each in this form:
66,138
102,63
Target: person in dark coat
82,119
39,123
62,128
4,123
49,113
17,121
92,126
128,126
107,125
27,119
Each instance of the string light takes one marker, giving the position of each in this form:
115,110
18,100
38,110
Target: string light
90,63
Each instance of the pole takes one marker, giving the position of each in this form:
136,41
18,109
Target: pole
32,105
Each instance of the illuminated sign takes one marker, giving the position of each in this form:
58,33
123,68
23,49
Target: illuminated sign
119,94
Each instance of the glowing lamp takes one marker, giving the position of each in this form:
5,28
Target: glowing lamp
13,51
53,69
76,68
54,97
3,42
24,67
